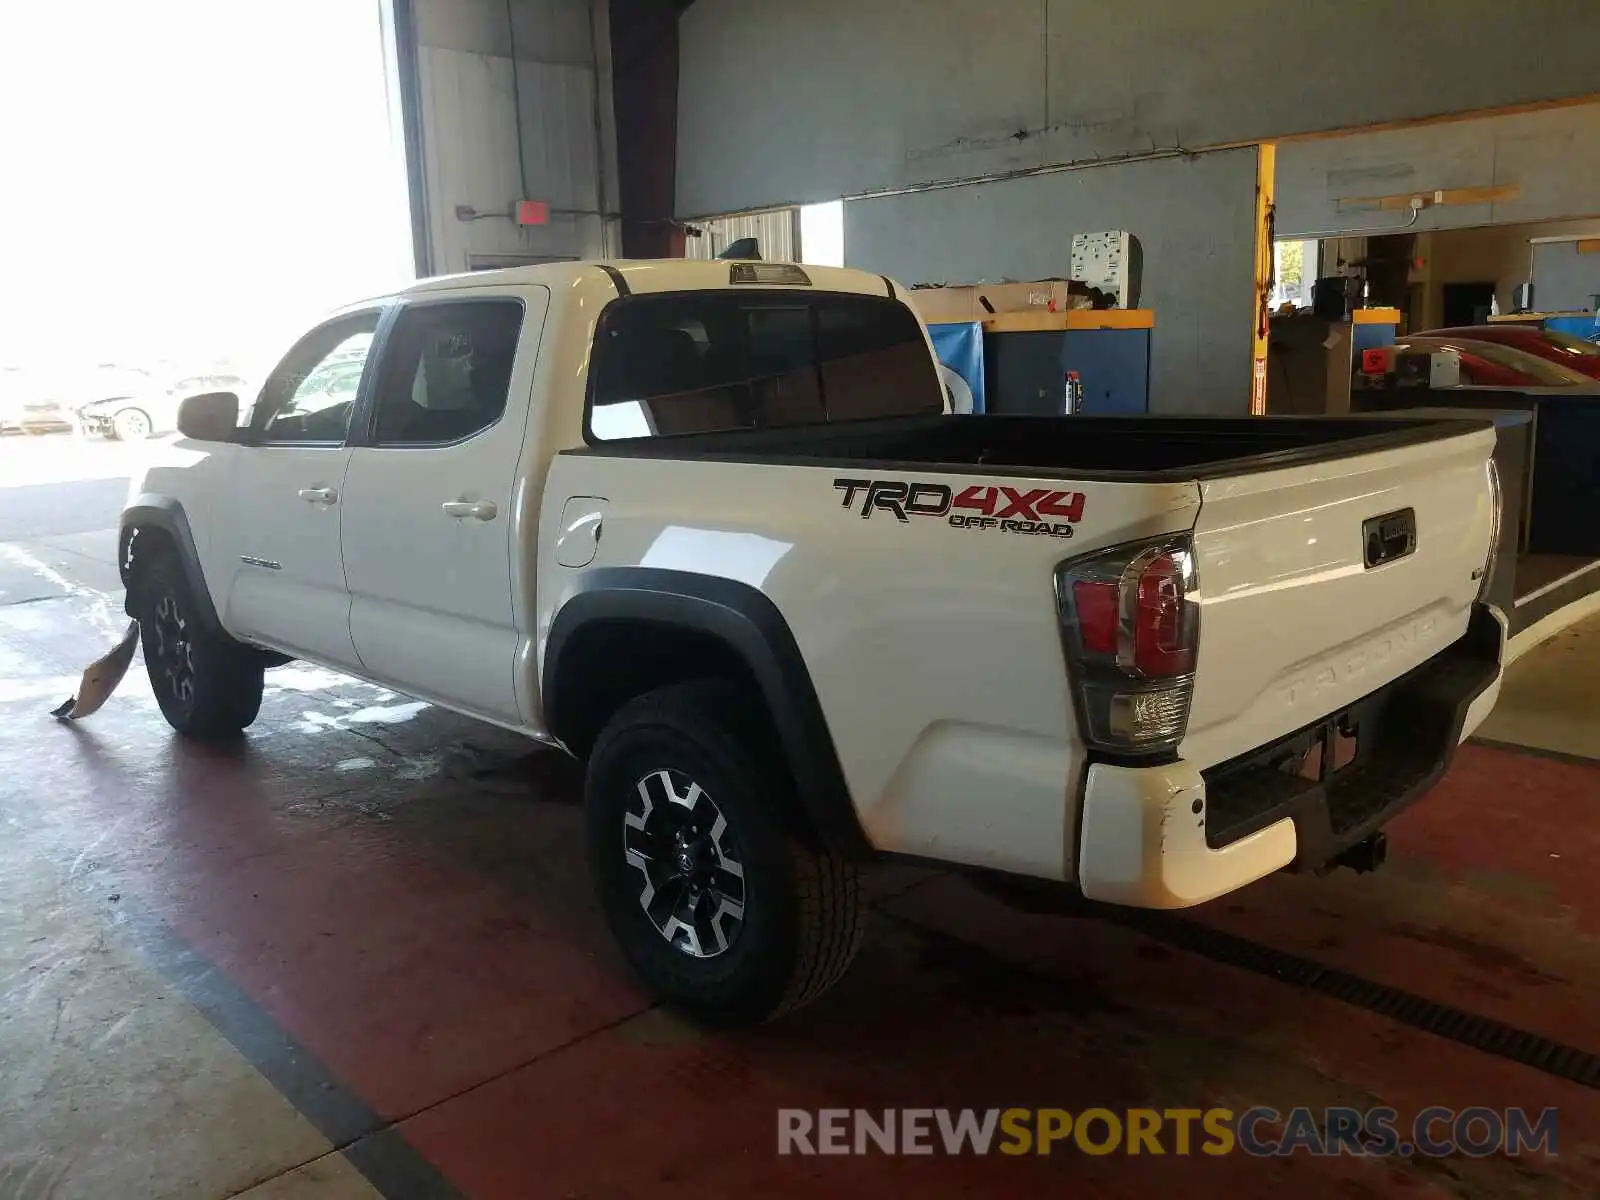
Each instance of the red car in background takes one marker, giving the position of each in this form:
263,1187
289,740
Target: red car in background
1549,344
1493,364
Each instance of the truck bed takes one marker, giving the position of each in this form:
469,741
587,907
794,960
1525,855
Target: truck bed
1154,449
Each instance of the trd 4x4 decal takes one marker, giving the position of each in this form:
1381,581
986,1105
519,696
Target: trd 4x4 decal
1010,510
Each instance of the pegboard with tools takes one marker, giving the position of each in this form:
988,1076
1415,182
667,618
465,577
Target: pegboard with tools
1108,263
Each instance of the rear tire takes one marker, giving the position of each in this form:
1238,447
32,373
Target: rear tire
716,901
208,686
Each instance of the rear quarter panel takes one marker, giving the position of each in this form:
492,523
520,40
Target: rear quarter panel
934,650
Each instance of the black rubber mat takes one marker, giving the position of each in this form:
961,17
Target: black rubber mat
1469,1029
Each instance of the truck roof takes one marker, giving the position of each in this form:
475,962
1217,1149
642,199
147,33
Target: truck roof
669,275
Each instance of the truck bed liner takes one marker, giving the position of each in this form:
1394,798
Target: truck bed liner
1154,449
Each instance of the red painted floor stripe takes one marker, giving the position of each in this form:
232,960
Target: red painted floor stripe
418,935
1514,816
1473,909
651,1109
427,938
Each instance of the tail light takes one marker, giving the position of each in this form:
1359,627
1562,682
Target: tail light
1131,627
1496,522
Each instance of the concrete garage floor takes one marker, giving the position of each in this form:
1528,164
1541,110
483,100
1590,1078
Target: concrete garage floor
1553,701
356,955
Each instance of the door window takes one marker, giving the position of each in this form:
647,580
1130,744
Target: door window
310,396
446,371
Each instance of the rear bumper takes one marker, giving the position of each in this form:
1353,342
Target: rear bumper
1174,835
43,419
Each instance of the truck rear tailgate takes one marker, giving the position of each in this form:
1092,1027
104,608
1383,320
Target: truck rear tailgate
1315,592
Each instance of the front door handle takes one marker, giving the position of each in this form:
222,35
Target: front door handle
483,510
318,495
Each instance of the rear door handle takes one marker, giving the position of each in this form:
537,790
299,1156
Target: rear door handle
483,510
318,495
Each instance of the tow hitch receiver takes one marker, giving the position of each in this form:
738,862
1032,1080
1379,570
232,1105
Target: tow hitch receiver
100,679
1366,855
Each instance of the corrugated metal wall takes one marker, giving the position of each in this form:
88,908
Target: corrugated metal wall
468,106
777,230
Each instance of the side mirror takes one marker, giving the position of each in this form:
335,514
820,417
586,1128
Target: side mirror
210,417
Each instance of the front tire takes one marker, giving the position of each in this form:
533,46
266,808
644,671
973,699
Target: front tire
208,686
717,902
131,425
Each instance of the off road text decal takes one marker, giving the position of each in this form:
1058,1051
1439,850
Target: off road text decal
1010,510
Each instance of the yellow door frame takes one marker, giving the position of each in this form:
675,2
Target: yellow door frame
1266,211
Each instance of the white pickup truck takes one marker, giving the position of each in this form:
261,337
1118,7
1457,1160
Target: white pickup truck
710,527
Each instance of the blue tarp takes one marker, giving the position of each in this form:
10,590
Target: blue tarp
959,346
1584,326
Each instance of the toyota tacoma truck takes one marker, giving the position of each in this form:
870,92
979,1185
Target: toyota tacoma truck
710,528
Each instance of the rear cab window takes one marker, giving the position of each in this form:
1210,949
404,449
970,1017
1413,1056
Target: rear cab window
702,362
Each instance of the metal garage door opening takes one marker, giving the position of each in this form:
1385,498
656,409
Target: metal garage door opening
186,188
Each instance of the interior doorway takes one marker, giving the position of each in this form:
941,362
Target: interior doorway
1466,303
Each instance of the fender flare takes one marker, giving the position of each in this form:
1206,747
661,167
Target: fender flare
150,510
748,624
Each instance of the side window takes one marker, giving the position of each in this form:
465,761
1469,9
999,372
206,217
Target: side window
446,371
311,394
698,362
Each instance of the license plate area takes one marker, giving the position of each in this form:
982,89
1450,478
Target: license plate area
1335,745
1388,538
1323,764
1386,750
